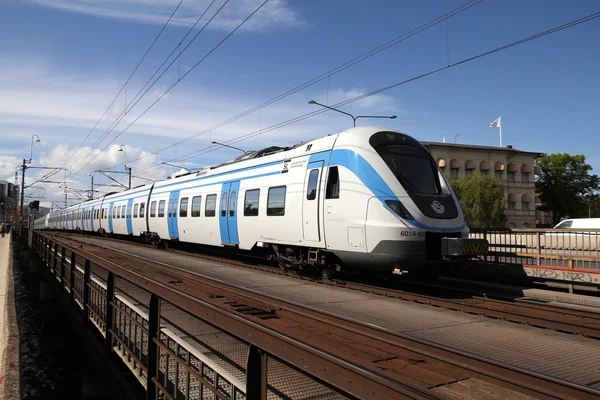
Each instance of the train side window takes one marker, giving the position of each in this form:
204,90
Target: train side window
118,212
251,203
183,206
114,212
136,209
276,201
211,205
142,210
232,204
161,208
196,202
313,179
153,209
333,184
224,205
123,210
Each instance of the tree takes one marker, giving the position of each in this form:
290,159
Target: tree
482,201
565,185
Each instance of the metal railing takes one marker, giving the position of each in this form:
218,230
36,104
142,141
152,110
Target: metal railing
172,353
551,247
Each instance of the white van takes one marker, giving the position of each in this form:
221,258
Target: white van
579,223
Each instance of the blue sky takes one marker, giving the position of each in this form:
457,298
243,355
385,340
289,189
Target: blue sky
62,62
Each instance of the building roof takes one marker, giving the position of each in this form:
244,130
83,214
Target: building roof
477,147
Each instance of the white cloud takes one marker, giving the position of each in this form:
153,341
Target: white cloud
275,14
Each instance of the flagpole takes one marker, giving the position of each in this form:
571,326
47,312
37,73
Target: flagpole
500,126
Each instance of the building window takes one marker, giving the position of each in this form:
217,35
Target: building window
183,206
512,205
161,209
311,191
196,202
224,205
276,201
142,209
525,177
484,172
333,184
153,209
468,172
251,203
498,175
510,176
454,173
525,205
211,205
136,210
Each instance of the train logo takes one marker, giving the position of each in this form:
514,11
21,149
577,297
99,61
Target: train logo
438,207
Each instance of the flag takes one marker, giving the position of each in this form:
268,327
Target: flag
496,123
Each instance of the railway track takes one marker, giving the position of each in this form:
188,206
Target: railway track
392,361
544,316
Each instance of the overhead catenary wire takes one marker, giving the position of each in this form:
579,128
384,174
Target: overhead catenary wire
389,87
327,75
129,78
147,87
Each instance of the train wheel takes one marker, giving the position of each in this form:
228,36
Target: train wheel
329,271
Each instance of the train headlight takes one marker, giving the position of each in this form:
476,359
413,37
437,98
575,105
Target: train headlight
399,209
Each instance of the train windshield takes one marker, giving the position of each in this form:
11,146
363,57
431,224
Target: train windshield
413,167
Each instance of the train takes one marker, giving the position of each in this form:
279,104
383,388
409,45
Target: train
368,198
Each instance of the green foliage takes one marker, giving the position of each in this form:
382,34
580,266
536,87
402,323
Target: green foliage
482,201
565,185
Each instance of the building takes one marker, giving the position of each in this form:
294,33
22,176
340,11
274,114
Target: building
8,199
514,168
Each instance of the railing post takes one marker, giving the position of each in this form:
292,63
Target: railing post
153,333
86,291
571,276
72,278
54,258
256,374
110,295
62,266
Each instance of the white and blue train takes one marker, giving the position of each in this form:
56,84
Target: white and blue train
366,198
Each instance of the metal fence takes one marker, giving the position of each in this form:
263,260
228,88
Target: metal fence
552,247
171,352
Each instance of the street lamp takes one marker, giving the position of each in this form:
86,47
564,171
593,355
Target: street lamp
34,138
352,116
231,147
123,148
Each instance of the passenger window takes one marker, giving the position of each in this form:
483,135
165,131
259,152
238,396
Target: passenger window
211,205
161,209
119,212
142,209
183,207
276,201
196,202
123,211
333,184
135,210
251,203
153,209
232,204
224,205
114,212
313,179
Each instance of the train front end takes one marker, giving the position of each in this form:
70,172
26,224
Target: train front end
413,217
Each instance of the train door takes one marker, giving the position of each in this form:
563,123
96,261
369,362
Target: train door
228,213
73,213
310,202
92,219
172,215
128,216
110,216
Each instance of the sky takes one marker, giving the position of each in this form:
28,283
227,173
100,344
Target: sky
62,62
